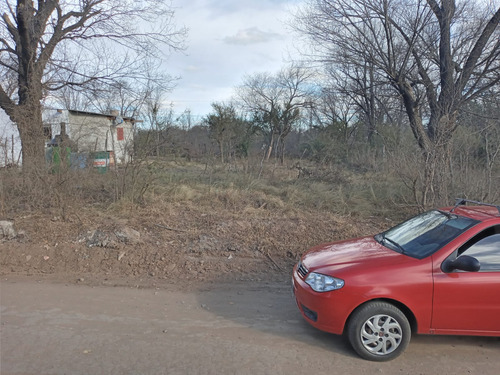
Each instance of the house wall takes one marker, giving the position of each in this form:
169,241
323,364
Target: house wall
10,144
123,141
94,132
90,132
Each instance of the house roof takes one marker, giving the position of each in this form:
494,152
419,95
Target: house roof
110,116
62,115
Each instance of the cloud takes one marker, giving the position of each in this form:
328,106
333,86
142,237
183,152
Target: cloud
192,68
252,35
228,39
227,7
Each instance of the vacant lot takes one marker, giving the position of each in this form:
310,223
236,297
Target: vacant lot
194,278
192,224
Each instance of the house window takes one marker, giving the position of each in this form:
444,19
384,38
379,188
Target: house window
119,134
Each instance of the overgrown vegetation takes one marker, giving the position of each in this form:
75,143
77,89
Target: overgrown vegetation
369,127
379,181
196,218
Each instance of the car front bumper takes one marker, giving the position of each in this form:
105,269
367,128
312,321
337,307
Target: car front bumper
324,311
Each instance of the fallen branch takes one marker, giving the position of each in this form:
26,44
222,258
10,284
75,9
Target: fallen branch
269,257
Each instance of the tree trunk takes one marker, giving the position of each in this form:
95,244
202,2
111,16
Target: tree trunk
437,174
270,147
281,150
221,150
29,123
437,158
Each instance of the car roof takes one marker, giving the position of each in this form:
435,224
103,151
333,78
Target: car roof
481,213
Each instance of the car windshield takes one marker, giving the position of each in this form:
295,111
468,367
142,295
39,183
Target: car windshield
424,234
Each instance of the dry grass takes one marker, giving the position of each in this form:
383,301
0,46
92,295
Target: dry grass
281,189
195,221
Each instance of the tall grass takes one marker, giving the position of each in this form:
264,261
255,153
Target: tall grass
244,186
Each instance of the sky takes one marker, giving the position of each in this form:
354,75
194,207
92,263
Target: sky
227,39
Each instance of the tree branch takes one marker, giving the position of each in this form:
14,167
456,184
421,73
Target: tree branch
477,50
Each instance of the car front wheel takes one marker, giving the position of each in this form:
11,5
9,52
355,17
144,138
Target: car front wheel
378,331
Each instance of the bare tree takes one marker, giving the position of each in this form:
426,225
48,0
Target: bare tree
361,86
221,125
158,117
336,112
230,130
185,120
53,44
479,149
435,55
275,101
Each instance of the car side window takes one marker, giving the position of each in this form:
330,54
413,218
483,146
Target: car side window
485,247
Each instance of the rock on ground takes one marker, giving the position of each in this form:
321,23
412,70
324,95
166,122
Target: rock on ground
7,230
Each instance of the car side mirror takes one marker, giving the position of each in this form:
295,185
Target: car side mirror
462,263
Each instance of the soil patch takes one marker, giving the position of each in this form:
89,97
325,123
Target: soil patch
181,243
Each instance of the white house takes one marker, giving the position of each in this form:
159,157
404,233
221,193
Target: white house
10,144
87,132
91,132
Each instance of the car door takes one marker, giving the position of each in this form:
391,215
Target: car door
469,302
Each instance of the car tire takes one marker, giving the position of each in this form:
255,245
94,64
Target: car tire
378,331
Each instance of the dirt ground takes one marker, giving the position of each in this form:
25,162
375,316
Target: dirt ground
180,243
230,328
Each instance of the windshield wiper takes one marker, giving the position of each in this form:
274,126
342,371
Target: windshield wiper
447,214
398,246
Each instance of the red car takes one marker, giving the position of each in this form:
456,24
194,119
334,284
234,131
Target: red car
437,273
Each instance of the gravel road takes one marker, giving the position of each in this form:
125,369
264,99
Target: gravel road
244,328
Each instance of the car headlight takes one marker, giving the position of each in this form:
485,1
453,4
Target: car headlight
323,283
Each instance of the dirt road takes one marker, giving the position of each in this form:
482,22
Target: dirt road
49,328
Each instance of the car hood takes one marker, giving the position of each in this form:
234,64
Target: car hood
362,252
